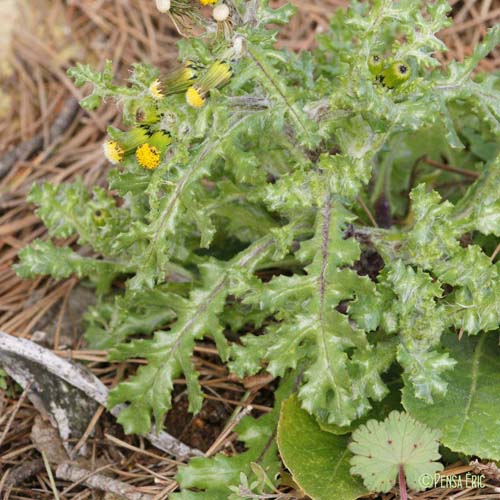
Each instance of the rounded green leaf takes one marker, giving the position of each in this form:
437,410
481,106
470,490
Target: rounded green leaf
318,460
382,448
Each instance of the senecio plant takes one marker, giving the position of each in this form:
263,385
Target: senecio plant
288,208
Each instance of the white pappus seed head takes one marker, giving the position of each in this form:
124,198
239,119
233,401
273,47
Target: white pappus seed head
220,12
163,5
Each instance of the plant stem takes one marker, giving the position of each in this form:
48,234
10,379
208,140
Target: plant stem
402,484
450,168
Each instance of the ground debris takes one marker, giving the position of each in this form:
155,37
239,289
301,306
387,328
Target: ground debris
76,474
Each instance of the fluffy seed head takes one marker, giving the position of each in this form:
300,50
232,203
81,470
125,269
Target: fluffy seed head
221,13
163,5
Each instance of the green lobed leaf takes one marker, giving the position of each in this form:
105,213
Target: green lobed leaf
44,258
336,387
260,163
169,352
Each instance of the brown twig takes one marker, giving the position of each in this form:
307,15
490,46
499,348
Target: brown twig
449,168
27,148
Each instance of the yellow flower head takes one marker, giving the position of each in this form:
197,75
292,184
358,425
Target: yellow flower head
217,75
175,82
155,89
148,156
194,97
113,152
207,2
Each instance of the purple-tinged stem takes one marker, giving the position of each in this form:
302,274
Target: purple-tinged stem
402,484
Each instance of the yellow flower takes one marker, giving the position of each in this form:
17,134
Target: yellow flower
175,82
194,97
154,89
207,2
217,75
148,156
123,142
113,152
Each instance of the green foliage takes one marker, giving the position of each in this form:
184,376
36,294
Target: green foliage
318,461
218,476
381,449
252,220
310,329
3,379
468,414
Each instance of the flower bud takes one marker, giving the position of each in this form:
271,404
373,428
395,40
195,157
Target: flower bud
375,64
147,114
395,75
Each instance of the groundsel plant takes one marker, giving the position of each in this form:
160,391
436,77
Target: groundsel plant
252,189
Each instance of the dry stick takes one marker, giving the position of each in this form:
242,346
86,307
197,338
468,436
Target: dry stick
84,478
78,377
262,408
74,473
128,446
19,451
155,474
367,211
51,476
225,433
165,493
26,149
24,471
4,479
495,253
14,412
450,168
